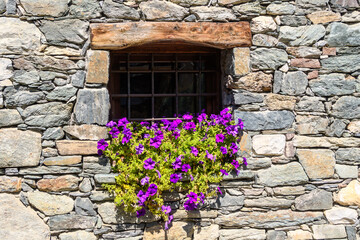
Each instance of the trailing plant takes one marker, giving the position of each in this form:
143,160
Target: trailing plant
179,155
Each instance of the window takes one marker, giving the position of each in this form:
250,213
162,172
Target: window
161,81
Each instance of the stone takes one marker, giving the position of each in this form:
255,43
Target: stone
328,231
347,107
62,160
268,58
77,235
255,82
45,8
53,133
52,63
134,234
26,77
345,3
264,40
299,235
317,199
86,132
63,93
313,74
98,196
354,126
25,148
116,10
293,21
188,3
285,191
59,184
22,98
9,117
268,202
2,6
305,63
304,52
85,9
336,128
78,79
178,231
262,24
275,235
257,163
242,234
92,106
105,178
204,13
83,206
74,147
97,66
65,31
245,148
280,8
96,165
71,221
318,163
279,175
228,2
18,36
280,102
310,104
351,17
346,171
333,85
271,219
50,204
265,120
321,17
348,155
227,200
85,185
301,36
341,215
351,232
49,152
350,195
345,64
325,142
241,61
49,170
251,8
20,223
311,124
47,114
210,232
10,184
269,145
5,69
165,11
294,83
243,97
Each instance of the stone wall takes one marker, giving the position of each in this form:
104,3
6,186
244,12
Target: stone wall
296,89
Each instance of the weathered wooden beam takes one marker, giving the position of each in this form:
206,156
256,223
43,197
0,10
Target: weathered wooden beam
130,34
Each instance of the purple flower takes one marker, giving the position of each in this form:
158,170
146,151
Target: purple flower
167,223
152,189
159,174
139,149
223,172
100,152
142,197
193,196
245,161
202,197
176,134
224,111
154,126
165,122
146,135
174,178
177,163
145,124
232,130
194,151
111,124
235,163
190,205
234,148
155,142
187,117
220,138
189,126
185,167
223,150
102,144
240,124
202,117
219,190
127,135
201,162
191,177
122,122
140,213
114,132
166,209
144,181
149,164
210,156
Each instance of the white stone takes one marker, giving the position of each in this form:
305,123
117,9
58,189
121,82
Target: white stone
327,231
210,233
341,215
5,69
242,234
346,171
354,126
51,204
269,144
262,24
299,235
78,235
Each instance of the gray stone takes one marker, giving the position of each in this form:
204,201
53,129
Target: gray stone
264,40
310,104
77,235
242,234
62,160
98,196
19,148
53,133
336,129
204,13
333,85
268,202
265,120
18,36
47,114
257,163
251,8
244,97
301,36
346,63
160,10
63,93
287,174
78,79
53,64
293,21
22,98
86,132
347,107
9,117
26,78
92,106
85,185
124,234
328,231
96,165
116,10
105,178
11,7
348,155
85,9
304,52
278,76
189,3
315,200
20,223
45,7
268,58
68,30
49,170
227,200
5,69
50,204
2,6
345,3
310,3
280,8
49,76
83,206
275,235
294,83
344,35
351,232
311,124
346,171
71,221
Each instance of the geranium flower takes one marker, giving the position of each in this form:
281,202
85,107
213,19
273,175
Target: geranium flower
174,178
149,164
185,167
220,138
166,209
152,189
194,151
140,213
102,144
144,181
223,150
139,149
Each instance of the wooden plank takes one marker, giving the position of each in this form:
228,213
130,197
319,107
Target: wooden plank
123,35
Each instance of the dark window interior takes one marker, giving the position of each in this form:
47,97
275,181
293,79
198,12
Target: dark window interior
161,81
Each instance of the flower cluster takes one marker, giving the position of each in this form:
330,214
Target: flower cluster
184,154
